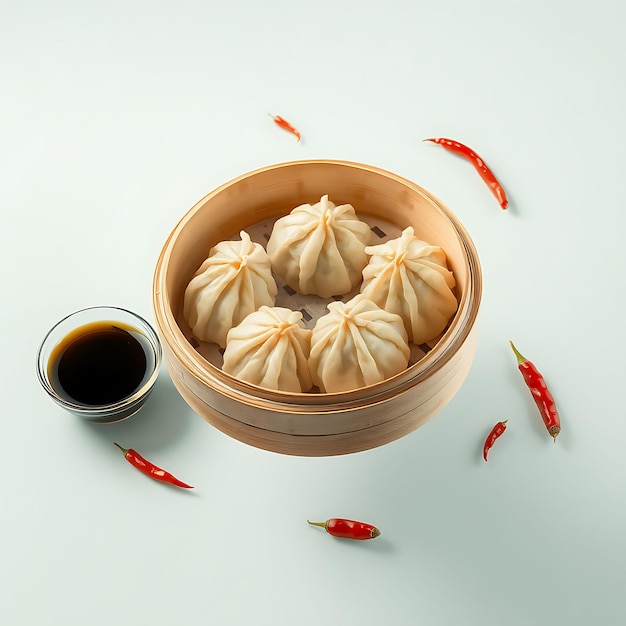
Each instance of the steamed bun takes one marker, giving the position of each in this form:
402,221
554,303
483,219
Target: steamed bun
357,344
319,249
270,348
409,277
235,280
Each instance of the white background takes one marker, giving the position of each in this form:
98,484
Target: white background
117,116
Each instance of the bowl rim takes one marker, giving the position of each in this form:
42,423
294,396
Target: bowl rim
208,374
112,408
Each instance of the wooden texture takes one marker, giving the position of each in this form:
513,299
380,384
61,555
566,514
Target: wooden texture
316,424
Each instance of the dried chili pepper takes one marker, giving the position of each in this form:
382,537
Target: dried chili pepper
540,392
348,529
495,433
149,469
481,167
285,125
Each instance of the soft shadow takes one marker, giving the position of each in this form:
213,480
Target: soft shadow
480,444
162,421
512,208
381,545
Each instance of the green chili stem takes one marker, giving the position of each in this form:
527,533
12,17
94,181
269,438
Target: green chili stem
124,450
320,524
520,358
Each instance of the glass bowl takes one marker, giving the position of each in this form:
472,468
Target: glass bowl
100,363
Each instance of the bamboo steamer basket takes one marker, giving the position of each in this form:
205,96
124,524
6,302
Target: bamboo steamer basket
317,424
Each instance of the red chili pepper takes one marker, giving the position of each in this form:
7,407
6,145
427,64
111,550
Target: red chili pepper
285,125
348,529
481,167
541,394
496,432
149,469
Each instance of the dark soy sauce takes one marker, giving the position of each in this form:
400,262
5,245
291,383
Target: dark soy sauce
99,363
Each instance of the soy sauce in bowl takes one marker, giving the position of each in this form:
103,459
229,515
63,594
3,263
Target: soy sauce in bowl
103,368
98,363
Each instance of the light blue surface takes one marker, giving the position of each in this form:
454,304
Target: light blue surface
116,117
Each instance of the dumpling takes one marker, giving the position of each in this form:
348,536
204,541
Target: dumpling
356,344
270,348
235,280
319,249
409,277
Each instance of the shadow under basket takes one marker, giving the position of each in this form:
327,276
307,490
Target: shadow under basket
316,424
